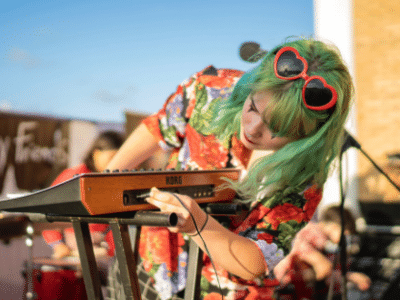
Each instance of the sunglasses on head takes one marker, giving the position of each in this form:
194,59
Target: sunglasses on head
317,94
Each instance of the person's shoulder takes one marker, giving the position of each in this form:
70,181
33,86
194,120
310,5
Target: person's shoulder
231,73
212,77
70,173
81,169
222,72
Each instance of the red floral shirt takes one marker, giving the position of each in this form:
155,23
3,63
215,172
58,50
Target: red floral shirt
53,237
271,224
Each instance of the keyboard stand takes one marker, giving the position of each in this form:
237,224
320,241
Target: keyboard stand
91,275
125,247
192,290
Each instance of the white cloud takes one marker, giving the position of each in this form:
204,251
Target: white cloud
5,105
23,57
106,96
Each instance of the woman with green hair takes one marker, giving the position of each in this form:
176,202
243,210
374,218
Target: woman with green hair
294,103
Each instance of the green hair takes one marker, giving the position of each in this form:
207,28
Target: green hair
316,135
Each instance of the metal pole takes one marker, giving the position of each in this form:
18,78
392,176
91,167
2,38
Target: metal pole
91,274
126,260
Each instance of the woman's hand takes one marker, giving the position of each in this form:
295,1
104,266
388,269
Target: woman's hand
308,247
61,250
185,209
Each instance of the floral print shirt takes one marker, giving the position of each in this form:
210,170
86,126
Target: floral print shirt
101,231
271,224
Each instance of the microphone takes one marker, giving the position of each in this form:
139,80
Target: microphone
251,52
349,141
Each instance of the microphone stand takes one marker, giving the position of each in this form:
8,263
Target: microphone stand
351,142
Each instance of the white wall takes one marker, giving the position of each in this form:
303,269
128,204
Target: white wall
81,136
333,22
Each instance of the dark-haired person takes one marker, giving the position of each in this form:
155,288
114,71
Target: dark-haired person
331,221
101,152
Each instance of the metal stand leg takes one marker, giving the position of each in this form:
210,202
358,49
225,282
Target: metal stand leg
91,274
192,290
125,253
30,293
126,259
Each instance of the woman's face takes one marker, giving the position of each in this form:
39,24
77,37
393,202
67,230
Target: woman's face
254,133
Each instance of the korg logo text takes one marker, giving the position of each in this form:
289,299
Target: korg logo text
171,180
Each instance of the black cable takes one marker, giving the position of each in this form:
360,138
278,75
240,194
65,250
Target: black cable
332,282
204,243
341,252
342,243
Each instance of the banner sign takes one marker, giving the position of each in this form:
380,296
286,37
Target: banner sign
33,151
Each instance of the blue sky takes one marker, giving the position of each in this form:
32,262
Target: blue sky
94,60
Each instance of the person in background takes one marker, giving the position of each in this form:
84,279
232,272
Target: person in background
331,220
63,243
295,104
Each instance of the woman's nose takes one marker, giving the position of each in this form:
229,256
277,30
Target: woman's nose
256,128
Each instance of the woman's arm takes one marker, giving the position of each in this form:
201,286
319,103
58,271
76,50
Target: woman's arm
236,254
138,147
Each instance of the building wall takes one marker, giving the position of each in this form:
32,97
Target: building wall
333,23
377,74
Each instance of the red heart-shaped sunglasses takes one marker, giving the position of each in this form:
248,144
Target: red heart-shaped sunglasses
317,94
